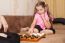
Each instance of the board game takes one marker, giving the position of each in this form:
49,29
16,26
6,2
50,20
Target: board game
32,38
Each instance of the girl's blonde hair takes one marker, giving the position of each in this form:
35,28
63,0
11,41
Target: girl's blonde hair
38,4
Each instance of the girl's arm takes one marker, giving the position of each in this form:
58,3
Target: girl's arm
47,23
33,24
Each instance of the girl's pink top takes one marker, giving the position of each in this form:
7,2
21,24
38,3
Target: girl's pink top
39,19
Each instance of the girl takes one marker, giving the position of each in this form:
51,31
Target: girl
42,20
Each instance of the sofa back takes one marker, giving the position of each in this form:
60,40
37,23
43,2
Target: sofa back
17,22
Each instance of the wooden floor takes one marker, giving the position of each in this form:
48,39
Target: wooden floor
59,37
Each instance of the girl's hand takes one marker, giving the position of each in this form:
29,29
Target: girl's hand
30,31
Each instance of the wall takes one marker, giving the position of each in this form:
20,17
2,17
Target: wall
6,7
17,7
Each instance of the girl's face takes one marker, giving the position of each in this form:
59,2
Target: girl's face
40,9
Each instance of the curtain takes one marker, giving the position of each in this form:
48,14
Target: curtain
57,7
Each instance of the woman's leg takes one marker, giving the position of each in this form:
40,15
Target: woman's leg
47,31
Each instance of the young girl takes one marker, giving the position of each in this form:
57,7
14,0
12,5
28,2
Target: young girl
42,22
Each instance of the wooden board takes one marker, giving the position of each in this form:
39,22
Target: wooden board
32,40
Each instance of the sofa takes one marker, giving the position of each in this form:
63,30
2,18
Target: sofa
18,22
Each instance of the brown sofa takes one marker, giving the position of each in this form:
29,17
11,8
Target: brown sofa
16,22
